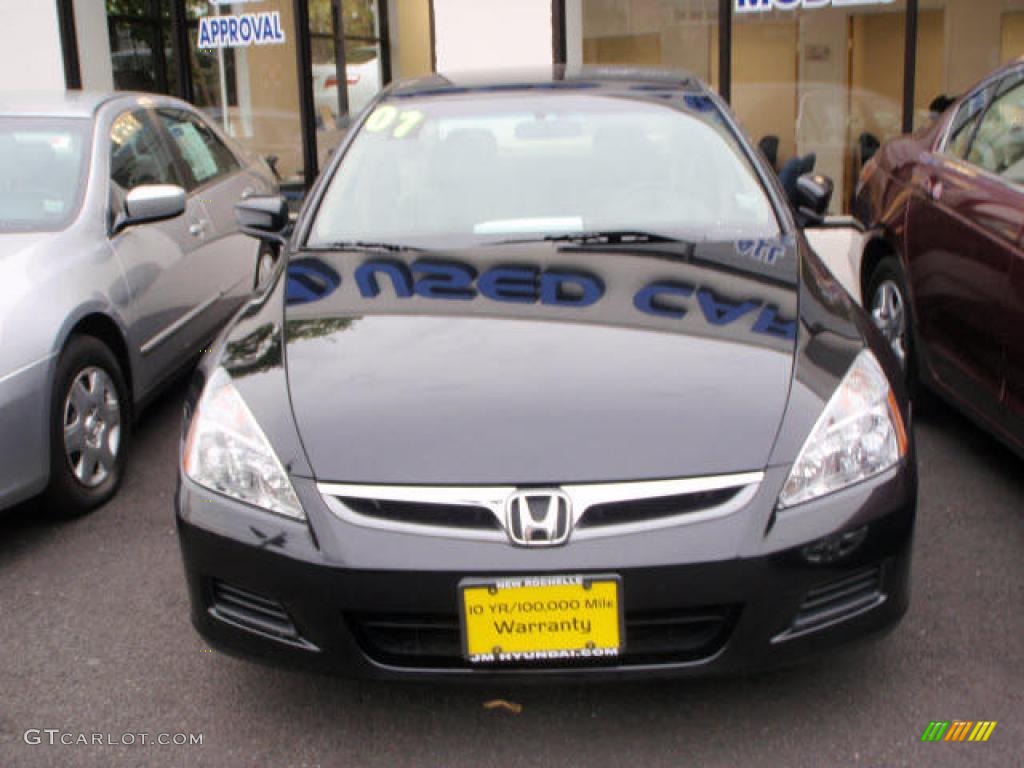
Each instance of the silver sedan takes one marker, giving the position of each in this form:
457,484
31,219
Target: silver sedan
120,259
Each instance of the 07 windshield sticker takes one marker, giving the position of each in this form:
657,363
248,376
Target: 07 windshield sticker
400,123
575,289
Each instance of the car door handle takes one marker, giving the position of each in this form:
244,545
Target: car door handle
197,229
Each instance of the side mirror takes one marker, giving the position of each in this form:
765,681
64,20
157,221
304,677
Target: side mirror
813,194
150,202
264,217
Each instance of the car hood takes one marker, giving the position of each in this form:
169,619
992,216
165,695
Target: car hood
542,363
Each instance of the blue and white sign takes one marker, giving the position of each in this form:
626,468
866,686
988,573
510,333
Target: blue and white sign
764,6
240,31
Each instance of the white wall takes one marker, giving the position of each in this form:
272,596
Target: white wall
30,54
93,45
492,34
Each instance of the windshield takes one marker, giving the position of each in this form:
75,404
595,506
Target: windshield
42,162
488,168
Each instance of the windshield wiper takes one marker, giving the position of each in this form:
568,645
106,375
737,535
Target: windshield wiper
610,237
362,245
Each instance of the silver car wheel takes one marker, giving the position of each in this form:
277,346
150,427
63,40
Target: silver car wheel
888,310
92,426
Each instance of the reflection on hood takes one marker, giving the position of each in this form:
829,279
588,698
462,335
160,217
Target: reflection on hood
744,291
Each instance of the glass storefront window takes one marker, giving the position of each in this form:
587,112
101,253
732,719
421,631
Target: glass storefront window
207,65
825,84
360,18
821,81
252,91
358,29
363,71
675,34
142,54
251,87
323,29
824,80
971,38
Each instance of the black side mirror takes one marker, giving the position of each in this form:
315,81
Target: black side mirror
813,194
264,217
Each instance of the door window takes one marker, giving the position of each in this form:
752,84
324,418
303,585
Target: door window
205,156
137,155
998,146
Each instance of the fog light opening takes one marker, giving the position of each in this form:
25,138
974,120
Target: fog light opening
834,547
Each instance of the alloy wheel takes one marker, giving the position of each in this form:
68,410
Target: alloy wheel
888,310
92,426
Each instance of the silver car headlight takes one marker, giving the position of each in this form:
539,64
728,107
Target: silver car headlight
858,435
227,452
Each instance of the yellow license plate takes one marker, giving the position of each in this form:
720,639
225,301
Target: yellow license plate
541,618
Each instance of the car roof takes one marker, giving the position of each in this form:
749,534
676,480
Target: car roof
556,77
74,104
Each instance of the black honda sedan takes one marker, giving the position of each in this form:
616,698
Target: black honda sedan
548,383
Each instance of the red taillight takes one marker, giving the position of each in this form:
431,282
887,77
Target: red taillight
331,82
353,79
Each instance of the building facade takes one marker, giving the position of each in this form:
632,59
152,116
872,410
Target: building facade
828,78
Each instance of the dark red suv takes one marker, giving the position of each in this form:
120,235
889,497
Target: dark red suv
943,271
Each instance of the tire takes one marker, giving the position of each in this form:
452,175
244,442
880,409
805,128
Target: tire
266,260
90,426
887,302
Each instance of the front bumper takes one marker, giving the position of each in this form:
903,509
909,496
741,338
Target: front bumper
720,596
24,443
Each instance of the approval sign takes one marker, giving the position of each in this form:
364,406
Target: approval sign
240,31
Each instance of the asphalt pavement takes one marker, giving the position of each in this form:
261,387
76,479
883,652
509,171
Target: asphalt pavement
97,644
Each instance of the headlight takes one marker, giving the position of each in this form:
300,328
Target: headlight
859,434
227,452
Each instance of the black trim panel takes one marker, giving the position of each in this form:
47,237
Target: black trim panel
69,45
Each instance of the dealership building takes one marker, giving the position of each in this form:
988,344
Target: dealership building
832,78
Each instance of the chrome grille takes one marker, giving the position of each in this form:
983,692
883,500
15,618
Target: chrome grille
424,513
642,510
599,509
